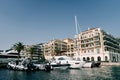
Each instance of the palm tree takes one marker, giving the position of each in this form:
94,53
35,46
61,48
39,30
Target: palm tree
35,50
31,51
18,47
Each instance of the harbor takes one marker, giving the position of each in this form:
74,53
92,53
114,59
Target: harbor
102,73
59,40
106,71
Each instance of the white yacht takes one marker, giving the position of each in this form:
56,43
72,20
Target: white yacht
68,62
59,62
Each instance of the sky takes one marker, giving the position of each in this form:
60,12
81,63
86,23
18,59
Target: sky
38,21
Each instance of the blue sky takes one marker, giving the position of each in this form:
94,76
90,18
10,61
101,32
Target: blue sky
37,21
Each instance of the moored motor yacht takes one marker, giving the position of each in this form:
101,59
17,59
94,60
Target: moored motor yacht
65,61
59,64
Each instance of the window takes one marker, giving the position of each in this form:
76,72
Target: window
84,59
88,51
84,51
98,50
106,58
86,45
92,50
81,37
91,40
99,58
97,43
92,58
88,59
105,49
92,34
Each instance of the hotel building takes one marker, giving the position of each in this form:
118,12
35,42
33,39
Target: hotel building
64,47
38,51
51,48
70,46
95,44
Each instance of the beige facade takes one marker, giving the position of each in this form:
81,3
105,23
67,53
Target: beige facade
64,46
51,46
95,44
70,46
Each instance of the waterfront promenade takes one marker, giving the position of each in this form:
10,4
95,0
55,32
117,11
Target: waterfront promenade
110,63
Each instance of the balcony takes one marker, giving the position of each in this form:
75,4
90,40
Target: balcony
111,39
96,40
111,42
112,47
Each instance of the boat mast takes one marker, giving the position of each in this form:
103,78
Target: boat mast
76,24
77,36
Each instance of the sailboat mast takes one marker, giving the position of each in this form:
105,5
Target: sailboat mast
77,35
76,24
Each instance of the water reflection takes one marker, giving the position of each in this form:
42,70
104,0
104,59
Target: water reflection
115,73
92,73
102,73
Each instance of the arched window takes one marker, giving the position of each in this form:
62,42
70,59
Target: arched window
84,59
99,58
92,58
106,58
114,59
88,59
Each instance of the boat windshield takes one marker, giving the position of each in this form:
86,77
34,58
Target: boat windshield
61,58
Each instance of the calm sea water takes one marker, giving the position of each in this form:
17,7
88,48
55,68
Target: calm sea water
102,73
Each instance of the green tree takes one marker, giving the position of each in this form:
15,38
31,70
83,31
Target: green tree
35,49
18,47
